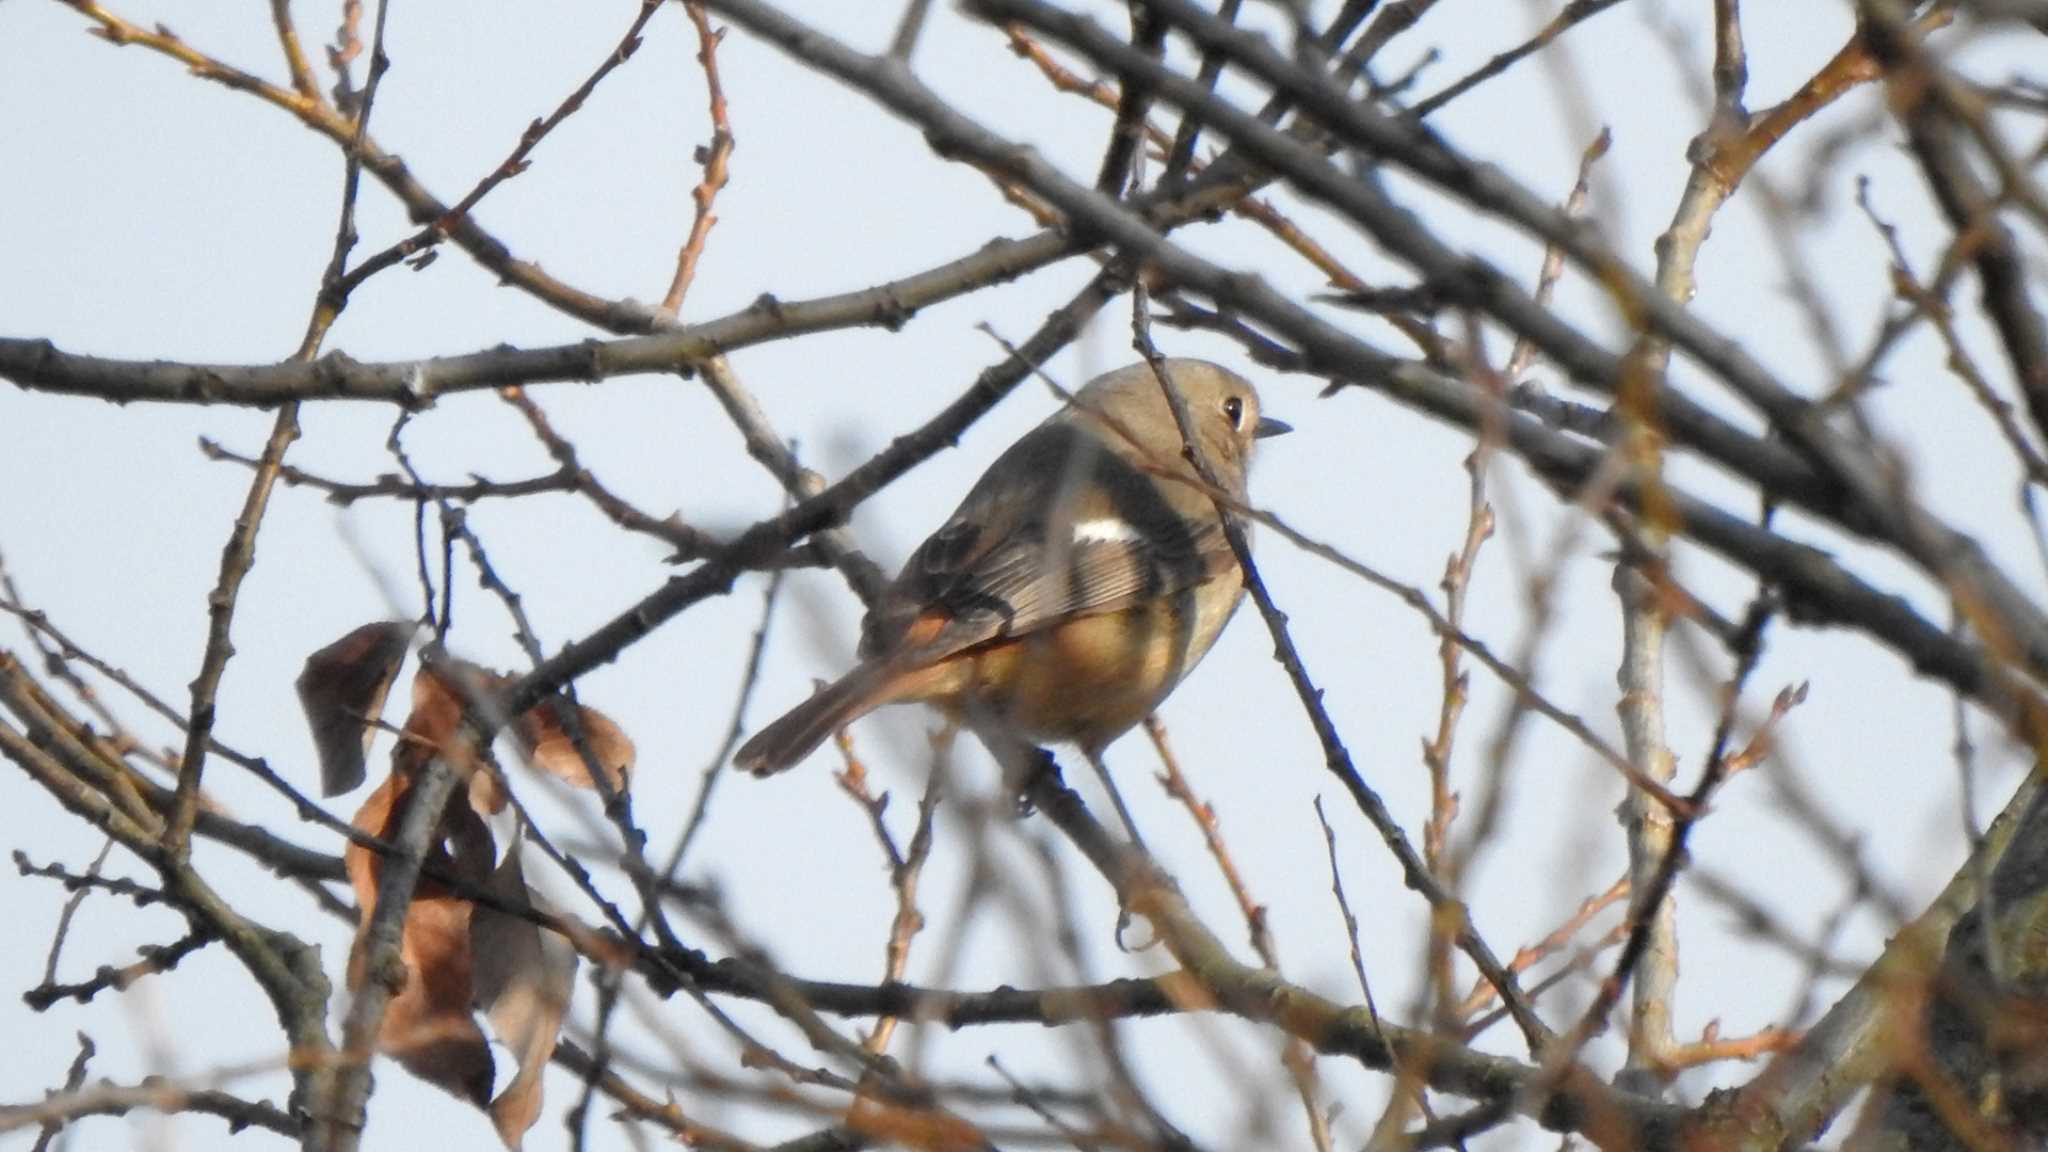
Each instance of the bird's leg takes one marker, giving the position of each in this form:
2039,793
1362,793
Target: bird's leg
1116,797
1042,767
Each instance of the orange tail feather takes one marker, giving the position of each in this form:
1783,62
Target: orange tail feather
800,730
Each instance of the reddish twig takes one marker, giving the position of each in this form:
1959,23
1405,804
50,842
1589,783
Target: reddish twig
1297,1057
1436,752
906,865
715,157
1930,301
1528,957
1712,1047
1552,271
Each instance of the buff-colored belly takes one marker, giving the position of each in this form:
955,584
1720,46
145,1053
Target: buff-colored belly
1091,679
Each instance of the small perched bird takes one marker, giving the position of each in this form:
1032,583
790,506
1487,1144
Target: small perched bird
1084,575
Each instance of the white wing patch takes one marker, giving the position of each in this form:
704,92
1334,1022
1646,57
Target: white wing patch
1105,531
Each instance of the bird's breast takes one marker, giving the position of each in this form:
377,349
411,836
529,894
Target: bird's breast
1090,679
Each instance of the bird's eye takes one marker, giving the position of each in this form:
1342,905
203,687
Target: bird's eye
1233,411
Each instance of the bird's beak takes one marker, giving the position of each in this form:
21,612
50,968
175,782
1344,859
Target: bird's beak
1268,426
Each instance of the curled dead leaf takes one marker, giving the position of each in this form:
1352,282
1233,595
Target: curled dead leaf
342,689
435,729
459,955
442,689
429,1026
523,977
546,739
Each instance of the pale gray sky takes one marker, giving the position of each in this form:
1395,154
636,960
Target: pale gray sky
145,213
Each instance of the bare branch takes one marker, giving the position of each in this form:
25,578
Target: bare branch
715,157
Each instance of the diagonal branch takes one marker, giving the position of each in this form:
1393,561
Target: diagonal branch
1932,119
1860,494
1820,588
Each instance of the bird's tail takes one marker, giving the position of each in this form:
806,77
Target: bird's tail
800,730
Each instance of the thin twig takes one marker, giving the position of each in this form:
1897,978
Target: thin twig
78,894
1297,1057
294,52
1559,938
686,540
156,1093
909,29
1651,893
156,959
239,554
1182,154
1337,758
1407,1086
906,864
735,727
715,157
391,486
73,1080
1572,14
455,221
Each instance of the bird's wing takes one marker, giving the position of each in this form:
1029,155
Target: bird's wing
1059,527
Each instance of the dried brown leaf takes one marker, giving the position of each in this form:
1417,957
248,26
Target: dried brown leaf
460,956
545,738
523,977
486,795
440,692
342,688
429,1026
435,728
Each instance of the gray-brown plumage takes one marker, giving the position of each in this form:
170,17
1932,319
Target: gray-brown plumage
1082,577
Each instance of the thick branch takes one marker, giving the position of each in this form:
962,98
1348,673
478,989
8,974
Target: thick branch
1818,588
1853,1044
1866,501
827,509
338,1118
1932,121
